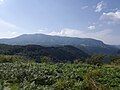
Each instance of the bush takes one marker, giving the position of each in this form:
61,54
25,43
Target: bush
96,60
45,59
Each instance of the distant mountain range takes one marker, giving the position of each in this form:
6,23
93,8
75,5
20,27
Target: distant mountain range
88,45
47,40
118,46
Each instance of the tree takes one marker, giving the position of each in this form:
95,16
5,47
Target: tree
115,59
45,59
96,59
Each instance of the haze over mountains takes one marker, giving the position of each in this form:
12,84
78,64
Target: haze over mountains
47,40
88,45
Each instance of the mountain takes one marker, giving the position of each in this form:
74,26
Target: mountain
107,50
118,46
88,45
57,54
47,40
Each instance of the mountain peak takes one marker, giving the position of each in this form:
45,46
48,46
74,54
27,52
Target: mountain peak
42,39
87,44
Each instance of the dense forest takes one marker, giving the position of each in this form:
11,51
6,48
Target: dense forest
56,54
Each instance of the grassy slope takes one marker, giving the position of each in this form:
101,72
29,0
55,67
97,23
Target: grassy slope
34,76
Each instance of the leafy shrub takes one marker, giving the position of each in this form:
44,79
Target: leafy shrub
59,76
96,60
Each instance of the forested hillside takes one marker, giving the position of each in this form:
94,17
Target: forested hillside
56,54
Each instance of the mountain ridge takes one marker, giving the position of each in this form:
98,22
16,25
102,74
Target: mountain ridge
91,46
43,36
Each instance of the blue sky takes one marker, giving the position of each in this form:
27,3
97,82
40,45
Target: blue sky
98,19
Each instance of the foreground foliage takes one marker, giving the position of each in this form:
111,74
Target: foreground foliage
41,76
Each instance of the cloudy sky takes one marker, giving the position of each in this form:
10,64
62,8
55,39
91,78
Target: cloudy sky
98,19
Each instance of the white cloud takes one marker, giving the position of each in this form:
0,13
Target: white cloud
104,35
91,27
116,9
6,25
8,30
42,29
100,6
111,16
68,32
8,34
1,1
84,7
81,34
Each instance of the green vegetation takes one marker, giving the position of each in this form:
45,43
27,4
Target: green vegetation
10,59
56,54
96,60
18,74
